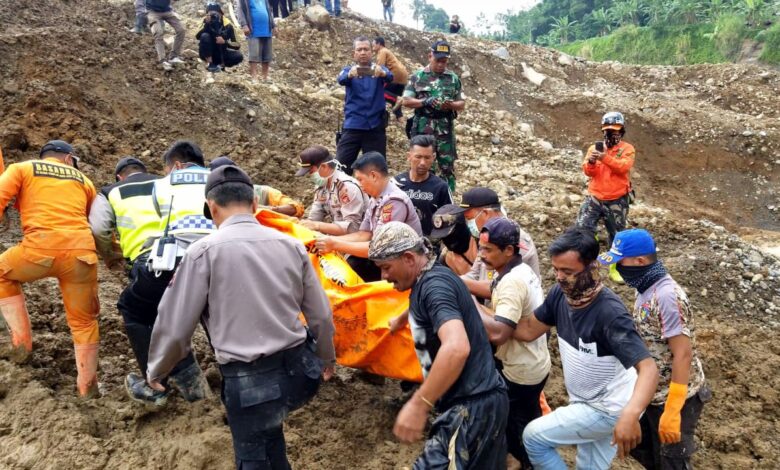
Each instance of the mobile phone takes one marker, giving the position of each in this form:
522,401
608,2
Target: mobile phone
365,71
599,146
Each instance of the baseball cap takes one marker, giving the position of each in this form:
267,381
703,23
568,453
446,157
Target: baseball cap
214,6
479,197
312,156
125,162
60,146
440,49
221,161
500,231
222,175
445,219
628,243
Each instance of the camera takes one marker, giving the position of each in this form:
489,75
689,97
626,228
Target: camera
215,23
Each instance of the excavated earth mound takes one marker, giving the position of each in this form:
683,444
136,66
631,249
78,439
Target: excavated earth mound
707,176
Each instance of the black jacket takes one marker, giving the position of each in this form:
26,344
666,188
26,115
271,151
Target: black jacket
228,33
159,6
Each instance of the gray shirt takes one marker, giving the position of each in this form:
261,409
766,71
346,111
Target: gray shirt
248,284
392,205
342,200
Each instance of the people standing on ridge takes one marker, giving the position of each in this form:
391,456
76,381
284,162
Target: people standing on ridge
427,191
249,286
460,377
54,199
608,164
455,25
257,23
336,195
434,93
664,319
395,89
160,12
365,117
387,10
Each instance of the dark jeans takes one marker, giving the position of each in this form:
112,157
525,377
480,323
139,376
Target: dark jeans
138,306
275,4
219,53
259,395
477,426
365,268
656,456
353,141
614,213
523,408
393,91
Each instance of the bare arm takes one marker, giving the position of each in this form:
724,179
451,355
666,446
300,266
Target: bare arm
530,328
480,289
628,433
498,332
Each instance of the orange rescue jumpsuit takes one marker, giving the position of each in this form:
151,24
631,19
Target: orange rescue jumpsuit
53,199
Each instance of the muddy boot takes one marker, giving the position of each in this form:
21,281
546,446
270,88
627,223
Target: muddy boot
86,366
15,325
190,382
138,390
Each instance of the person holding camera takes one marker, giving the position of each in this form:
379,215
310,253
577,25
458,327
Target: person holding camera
218,44
365,118
608,163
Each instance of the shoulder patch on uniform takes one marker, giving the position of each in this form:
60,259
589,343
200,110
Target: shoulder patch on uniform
387,213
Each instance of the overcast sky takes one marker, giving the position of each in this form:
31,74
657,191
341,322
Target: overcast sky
467,10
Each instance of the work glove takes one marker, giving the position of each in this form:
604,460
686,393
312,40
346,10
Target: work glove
432,103
669,424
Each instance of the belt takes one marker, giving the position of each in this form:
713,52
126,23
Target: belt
261,364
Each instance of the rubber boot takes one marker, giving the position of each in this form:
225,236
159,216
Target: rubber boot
16,321
86,366
190,381
544,405
615,275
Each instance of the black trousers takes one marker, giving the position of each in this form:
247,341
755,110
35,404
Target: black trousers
353,141
656,456
259,395
276,4
219,53
365,268
523,408
138,306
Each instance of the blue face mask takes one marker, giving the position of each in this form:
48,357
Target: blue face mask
472,225
318,180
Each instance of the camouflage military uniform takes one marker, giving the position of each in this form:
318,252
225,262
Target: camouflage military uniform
426,84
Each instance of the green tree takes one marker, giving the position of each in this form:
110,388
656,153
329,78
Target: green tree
754,10
603,20
435,19
684,11
562,27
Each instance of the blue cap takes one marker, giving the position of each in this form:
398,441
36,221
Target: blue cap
629,243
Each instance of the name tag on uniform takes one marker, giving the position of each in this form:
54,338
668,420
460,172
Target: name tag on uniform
188,178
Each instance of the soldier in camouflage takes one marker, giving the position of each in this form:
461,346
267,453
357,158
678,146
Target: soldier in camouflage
435,95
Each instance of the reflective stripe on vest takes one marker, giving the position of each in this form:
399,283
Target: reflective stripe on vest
186,187
136,217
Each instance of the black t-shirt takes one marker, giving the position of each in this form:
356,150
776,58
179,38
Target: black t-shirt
599,347
427,197
437,297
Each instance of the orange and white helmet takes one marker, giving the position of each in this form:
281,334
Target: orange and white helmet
613,120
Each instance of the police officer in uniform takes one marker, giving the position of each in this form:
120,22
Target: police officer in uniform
248,284
388,203
337,195
177,200
435,95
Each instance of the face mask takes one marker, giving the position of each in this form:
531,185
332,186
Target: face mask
318,180
472,225
641,277
459,240
612,138
581,288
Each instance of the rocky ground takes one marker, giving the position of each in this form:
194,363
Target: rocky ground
707,176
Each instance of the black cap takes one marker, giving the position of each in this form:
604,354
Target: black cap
312,156
479,197
221,161
440,49
445,219
125,162
214,6
500,231
224,174
60,146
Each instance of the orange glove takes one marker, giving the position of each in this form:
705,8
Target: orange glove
669,424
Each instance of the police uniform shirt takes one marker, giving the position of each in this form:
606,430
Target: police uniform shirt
248,284
392,205
342,200
427,196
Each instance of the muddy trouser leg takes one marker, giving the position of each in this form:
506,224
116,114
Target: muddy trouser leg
523,408
656,456
156,21
591,211
615,215
178,40
258,397
446,155
474,429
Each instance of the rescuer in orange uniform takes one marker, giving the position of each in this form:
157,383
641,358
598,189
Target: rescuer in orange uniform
53,198
608,164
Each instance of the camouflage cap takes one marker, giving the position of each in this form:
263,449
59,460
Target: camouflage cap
392,239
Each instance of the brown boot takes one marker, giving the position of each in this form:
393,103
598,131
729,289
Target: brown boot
86,365
17,322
